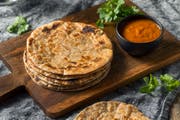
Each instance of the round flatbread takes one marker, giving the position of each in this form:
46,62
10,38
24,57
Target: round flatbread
58,76
96,110
111,110
69,48
129,112
67,83
50,86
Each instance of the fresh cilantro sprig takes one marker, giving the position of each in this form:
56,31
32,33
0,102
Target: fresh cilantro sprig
19,26
114,11
167,81
151,84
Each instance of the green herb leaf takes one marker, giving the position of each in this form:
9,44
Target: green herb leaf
100,24
114,11
169,82
19,26
151,84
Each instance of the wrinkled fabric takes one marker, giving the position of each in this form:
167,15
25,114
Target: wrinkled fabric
156,105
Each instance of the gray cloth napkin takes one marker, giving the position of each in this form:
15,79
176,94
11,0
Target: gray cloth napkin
156,105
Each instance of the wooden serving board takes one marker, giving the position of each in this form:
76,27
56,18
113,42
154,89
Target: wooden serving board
125,69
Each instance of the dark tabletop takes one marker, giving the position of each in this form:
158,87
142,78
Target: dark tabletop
155,105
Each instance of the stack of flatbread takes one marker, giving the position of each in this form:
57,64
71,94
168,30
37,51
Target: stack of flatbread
67,56
111,110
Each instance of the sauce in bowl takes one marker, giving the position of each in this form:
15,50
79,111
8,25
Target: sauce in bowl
139,34
141,31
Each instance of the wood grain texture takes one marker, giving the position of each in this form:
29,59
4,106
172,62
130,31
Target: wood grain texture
125,69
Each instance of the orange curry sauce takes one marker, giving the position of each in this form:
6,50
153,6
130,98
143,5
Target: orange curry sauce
141,31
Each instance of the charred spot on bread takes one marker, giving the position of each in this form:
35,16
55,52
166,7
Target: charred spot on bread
101,42
30,39
46,29
55,25
87,29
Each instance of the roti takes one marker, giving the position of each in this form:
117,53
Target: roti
69,83
72,82
96,110
57,76
129,112
69,48
111,110
54,87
